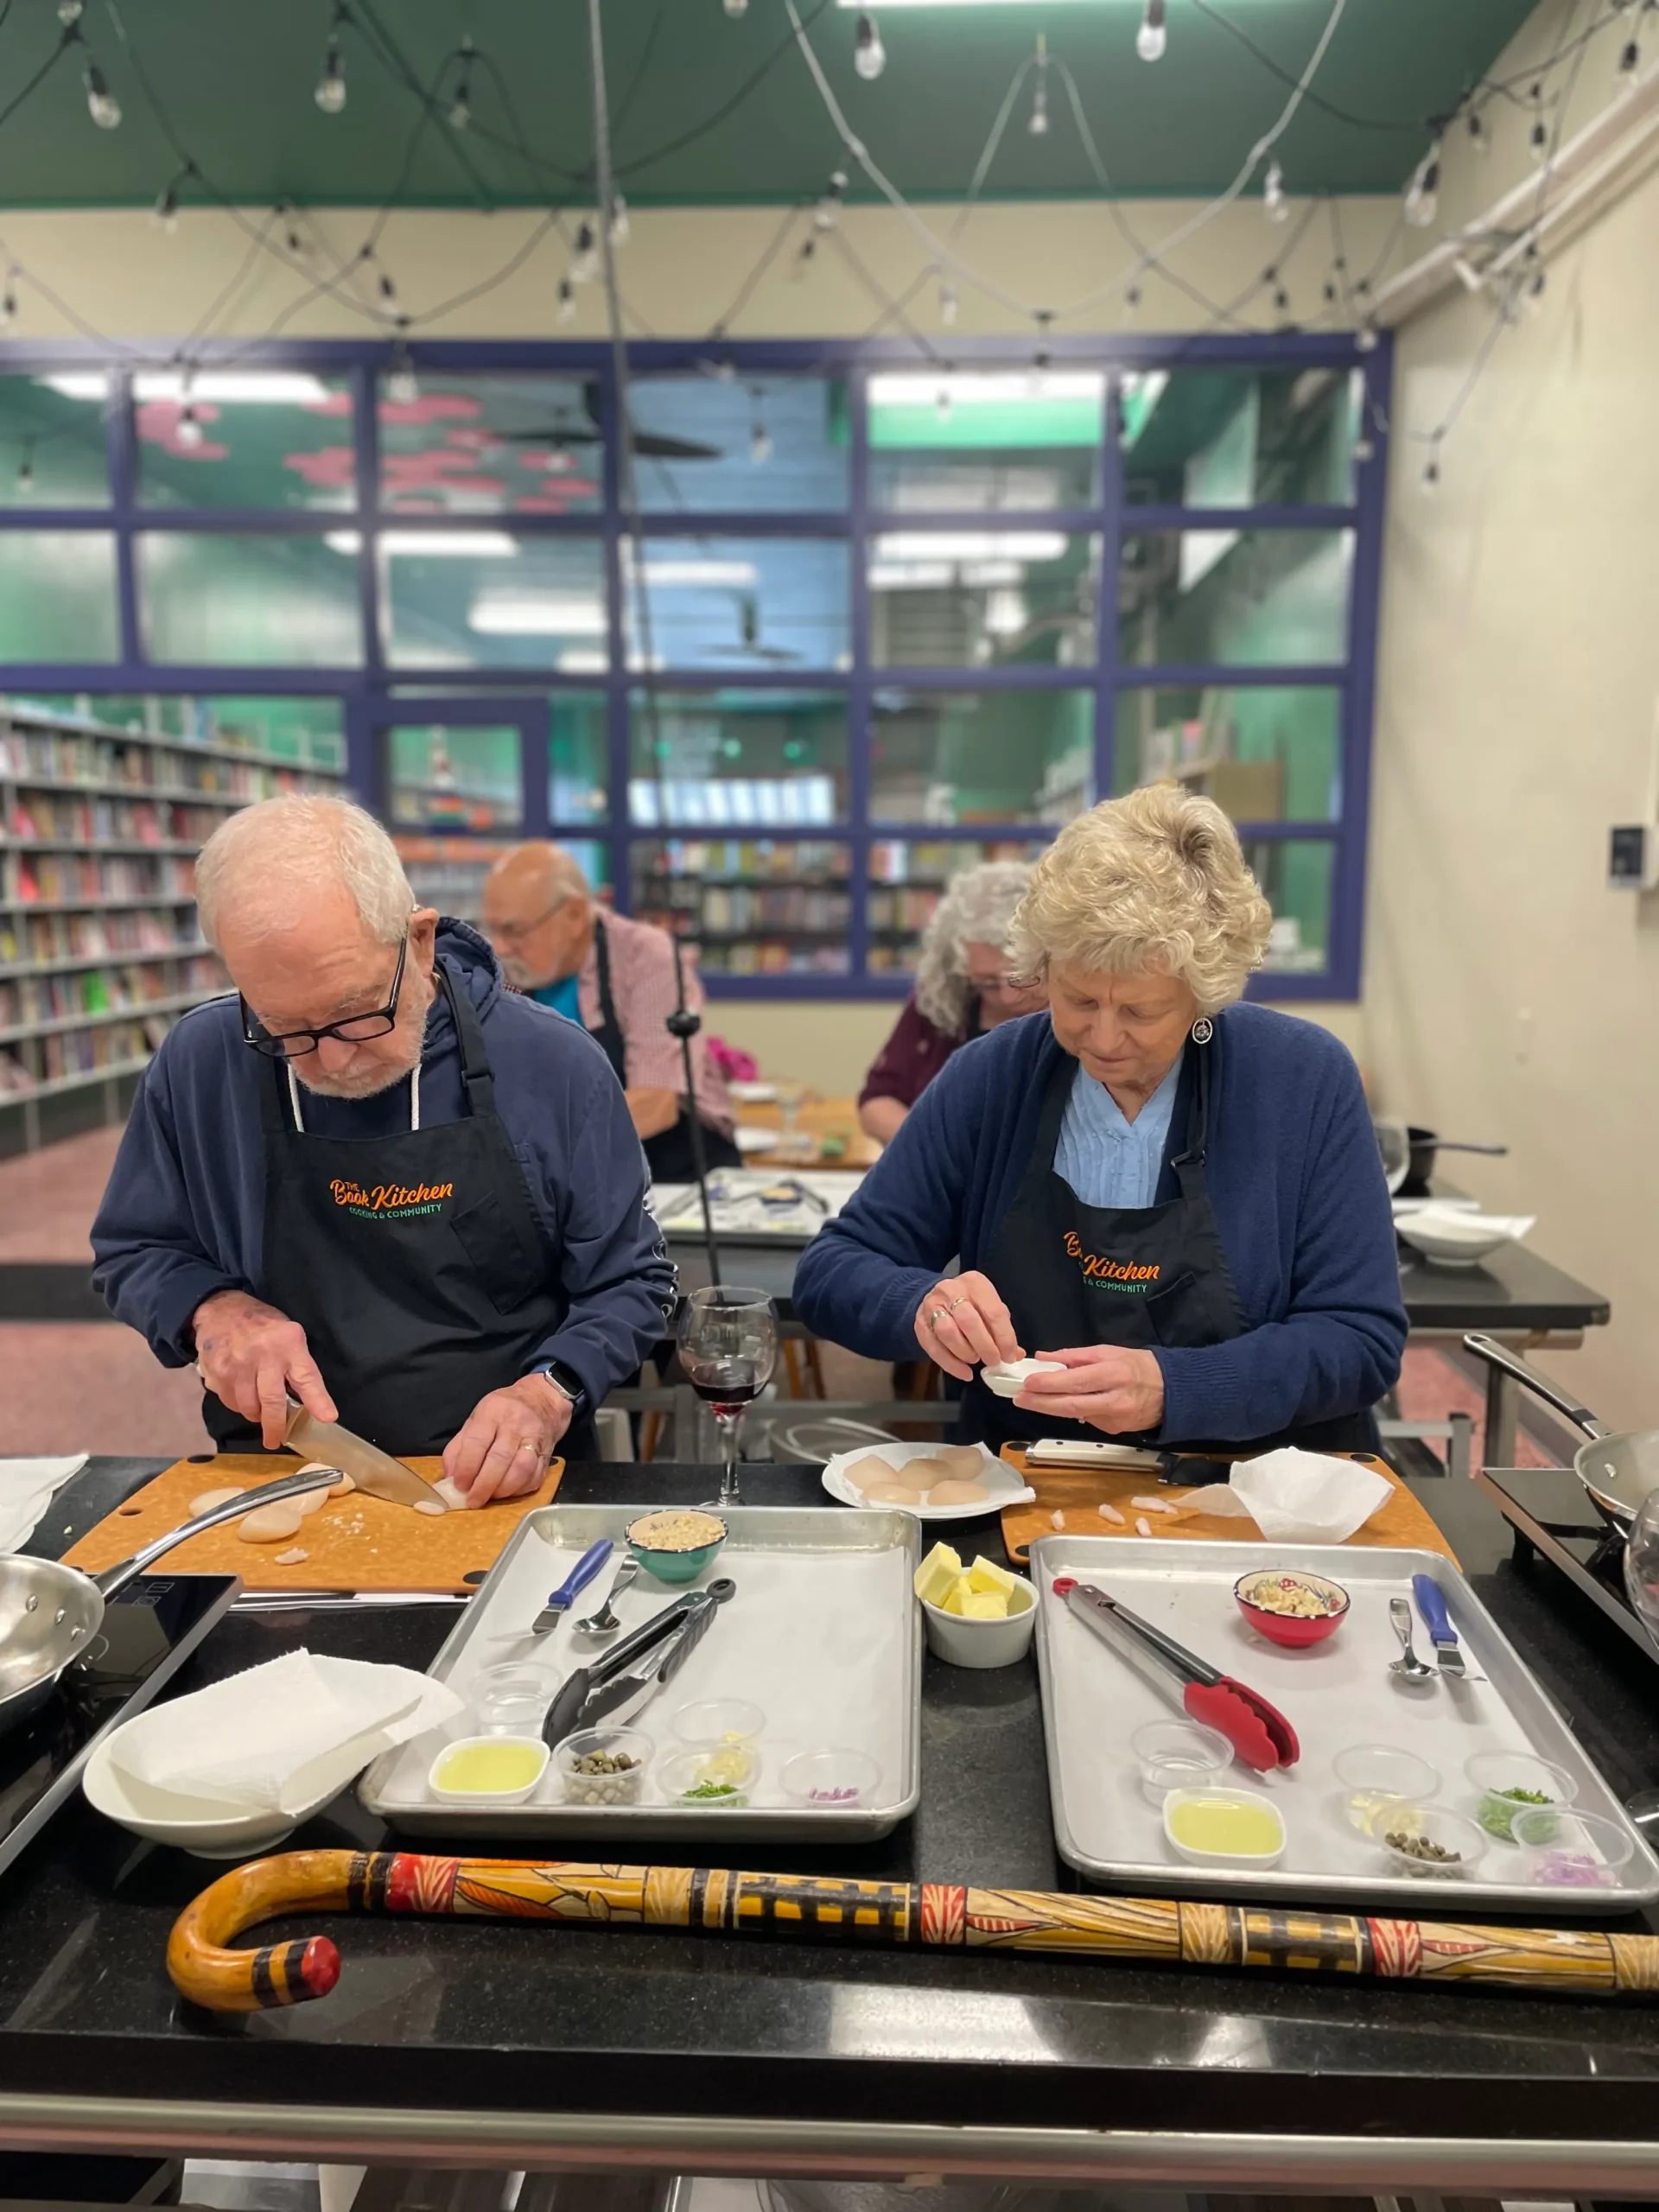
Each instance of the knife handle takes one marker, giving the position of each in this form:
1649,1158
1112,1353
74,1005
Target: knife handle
582,1573
1431,1605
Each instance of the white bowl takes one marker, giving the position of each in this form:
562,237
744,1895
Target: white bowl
1008,1377
1461,1239
962,1643
193,1824
1194,1855
478,1799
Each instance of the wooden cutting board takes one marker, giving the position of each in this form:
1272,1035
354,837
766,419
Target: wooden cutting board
1400,1522
356,1542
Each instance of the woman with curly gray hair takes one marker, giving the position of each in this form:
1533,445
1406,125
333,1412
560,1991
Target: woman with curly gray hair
964,987
1174,1199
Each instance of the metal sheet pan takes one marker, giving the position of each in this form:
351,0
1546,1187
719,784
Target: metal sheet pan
1336,1694
824,1633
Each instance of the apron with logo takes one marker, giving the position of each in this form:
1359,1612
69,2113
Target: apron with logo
415,1264
1140,1276
668,1154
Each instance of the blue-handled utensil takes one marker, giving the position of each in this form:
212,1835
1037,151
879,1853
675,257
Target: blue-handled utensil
1431,1605
561,1600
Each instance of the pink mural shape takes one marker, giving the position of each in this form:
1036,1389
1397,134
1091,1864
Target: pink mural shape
331,468
430,407
157,422
337,403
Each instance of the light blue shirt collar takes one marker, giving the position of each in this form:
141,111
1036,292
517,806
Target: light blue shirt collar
1108,1160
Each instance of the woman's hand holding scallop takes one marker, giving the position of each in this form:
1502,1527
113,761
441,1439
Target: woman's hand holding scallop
1108,1386
963,1324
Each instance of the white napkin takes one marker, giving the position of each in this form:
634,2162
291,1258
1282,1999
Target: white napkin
286,1735
26,1490
1303,1497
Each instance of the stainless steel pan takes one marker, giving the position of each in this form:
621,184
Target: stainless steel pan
50,1614
1620,1471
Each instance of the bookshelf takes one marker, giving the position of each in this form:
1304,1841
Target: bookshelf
99,949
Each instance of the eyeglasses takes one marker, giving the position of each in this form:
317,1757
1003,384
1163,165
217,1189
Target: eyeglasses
515,931
295,1044
998,985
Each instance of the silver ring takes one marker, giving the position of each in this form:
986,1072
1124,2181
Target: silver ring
954,1302
526,1447
939,1313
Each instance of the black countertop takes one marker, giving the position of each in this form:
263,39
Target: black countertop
492,2018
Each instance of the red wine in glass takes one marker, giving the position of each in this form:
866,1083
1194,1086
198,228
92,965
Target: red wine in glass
729,1343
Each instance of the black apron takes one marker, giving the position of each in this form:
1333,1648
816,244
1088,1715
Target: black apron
668,1154
415,1264
1140,1276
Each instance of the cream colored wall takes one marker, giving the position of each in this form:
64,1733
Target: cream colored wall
1509,994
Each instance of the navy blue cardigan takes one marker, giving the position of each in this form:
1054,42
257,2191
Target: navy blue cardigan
1294,1177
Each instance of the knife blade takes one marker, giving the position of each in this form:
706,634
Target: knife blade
1431,1605
369,1467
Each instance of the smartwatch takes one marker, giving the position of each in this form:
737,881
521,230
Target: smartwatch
567,1383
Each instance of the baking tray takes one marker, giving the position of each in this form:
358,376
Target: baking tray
824,1633
1336,1694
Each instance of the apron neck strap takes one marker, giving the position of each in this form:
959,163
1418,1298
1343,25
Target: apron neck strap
477,1079
1191,1162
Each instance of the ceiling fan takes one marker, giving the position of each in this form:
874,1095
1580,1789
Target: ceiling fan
649,445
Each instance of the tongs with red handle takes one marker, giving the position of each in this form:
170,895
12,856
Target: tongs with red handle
1258,1731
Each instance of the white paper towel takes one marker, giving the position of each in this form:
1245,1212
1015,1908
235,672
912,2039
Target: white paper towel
1303,1497
26,1490
282,1735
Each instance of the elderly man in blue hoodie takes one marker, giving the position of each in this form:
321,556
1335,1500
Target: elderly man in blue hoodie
376,1181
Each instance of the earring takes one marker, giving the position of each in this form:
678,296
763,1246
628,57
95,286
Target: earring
1203,1030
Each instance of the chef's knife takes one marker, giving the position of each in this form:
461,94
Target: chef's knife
369,1467
1431,1605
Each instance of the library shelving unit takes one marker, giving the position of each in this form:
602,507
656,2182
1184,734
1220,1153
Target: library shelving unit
99,949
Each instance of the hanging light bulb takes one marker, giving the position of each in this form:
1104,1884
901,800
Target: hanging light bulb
330,95
8,303
1423,193
101,103
1630,61
829,206
737,7
1280,300
1431,470
402,388
1329,293
1273,202
620,229
948,305
460,107
26,466
388,289
584,261
70,11
761,445
1538,141
1131,301
1042,358
943,403
1153,37
1038,125
1479,136
1365,337
165,214
1364,448
567,307
869,56
187,430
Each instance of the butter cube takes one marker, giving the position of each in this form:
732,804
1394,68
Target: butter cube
956,1602
937,1576
985,1575
985,1605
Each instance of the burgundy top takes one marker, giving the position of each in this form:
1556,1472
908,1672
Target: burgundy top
912,1057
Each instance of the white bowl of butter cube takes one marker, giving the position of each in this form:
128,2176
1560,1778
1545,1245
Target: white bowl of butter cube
977,1616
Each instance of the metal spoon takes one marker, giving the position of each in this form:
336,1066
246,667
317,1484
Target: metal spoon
605,1622
1409,1664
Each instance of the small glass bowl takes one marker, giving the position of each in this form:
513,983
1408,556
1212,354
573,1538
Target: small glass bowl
512,1700
1496,1773
1375,1774
831,1779
713,1781
1430,1824
442,1776
1177,1755
603,1791
1570,1850
718,1720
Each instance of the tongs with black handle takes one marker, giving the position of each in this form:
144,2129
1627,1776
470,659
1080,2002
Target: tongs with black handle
628,1676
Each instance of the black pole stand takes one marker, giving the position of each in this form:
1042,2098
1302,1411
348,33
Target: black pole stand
684,1023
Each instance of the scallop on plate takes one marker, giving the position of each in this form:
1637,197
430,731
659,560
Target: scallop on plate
936,1482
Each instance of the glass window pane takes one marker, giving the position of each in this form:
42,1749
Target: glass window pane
53,451
986,756
1241,437
485,599
578,757
754,603
276,735
908,882
243,438
1247,598
448,872
232,600
1263,753
57,595
754,906
766,445
738,760
1001,442
967,599
443,776
1296,878
491,445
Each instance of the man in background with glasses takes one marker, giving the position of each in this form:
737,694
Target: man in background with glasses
376,1181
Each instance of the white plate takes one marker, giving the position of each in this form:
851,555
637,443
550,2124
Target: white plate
1003,1485
753,1093
748,1140
1008,1377
1462,1237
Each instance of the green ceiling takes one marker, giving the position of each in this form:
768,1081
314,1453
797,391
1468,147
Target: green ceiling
715,110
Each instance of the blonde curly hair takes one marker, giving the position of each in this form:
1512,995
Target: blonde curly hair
978,908
1152,880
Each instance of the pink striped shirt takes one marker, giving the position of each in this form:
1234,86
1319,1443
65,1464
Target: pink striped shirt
644,994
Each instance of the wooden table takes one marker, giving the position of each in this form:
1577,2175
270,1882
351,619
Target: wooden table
820,1117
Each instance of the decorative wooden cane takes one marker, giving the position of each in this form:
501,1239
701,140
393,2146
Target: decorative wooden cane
815,1908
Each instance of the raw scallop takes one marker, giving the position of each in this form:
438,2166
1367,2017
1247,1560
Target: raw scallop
271,1524
892,1493
451,1493
290,1559
964,1460
924,1473
314,1500
205,1500
868,1470
952,1492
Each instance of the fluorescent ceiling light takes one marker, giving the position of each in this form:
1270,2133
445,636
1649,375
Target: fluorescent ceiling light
909,576
224,387
906,388
455,544
982,574
735,575
972,545
1146,385
582,660
538,618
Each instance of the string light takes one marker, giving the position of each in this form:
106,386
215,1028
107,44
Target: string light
402,388
460,108
1538,136
760,436
70,11
1273,201
1479,137
1534,282
869,56
187,430
1431,480
737,7
1630,61
829,206
8,300
330,94
942,404
619,226
1365,337
388,289
948,305
101,103
1131,301
1423,193
26,466
1364,448
165,214
584,263
1042,358
1038,125
567,308
1153,36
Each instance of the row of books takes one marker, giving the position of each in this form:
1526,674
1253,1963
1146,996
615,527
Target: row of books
108,821
80,1052
25,999
891,959
764,957
802,906
51,879
733,859
66,756
902,909
92,935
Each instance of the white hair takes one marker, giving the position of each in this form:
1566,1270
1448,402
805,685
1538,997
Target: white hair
978,908
271,857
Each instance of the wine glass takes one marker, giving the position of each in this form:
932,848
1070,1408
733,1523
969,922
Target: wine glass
793,1143
728,1345
1642,1587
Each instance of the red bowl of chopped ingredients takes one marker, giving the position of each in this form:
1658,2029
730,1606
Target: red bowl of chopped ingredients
1291,1607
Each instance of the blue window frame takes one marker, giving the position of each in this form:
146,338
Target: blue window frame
967,641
